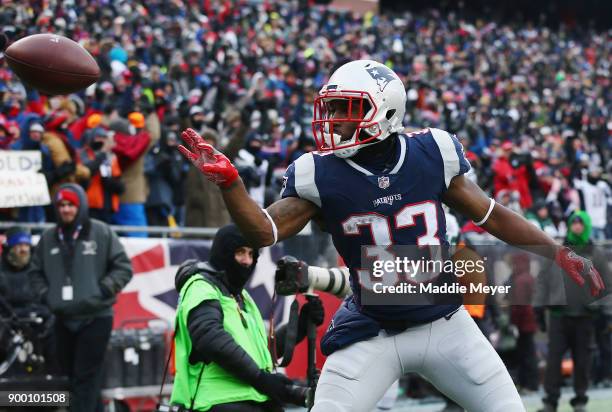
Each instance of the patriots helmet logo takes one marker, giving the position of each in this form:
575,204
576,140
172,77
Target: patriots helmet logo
382,74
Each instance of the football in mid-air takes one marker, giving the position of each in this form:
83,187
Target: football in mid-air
52,64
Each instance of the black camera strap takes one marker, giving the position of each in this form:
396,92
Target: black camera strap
161,389
291,331
197,387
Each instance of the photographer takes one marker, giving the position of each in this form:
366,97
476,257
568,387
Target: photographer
222,358
18,299
15,285
105,184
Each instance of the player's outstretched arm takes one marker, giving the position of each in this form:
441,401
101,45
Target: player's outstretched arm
467,198
289,215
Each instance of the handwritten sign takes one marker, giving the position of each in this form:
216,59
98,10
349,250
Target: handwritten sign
20,161
18,189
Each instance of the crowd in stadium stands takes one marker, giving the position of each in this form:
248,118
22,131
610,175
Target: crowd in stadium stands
530,104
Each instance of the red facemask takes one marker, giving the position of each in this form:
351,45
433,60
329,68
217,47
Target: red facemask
323,125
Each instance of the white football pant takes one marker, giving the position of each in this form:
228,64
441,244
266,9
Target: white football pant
452,354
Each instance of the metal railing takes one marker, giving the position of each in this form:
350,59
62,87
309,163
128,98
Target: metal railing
163,231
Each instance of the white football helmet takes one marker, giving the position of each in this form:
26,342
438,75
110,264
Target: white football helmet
376,90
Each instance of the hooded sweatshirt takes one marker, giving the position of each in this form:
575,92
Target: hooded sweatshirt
84,256
584,238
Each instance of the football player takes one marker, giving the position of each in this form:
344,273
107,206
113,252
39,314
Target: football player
369,184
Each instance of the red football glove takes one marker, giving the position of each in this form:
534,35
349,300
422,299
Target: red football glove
213,164
579,269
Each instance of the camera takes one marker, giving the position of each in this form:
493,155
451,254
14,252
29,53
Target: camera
291,276
96,145
519,159
294,276
302,392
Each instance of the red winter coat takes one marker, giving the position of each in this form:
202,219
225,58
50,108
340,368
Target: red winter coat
506,177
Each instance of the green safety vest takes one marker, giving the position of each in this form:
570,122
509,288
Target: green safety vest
217,385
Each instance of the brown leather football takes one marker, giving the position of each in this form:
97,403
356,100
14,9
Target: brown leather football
52,64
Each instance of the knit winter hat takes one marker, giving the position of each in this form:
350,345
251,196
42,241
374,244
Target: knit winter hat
16,235
68,195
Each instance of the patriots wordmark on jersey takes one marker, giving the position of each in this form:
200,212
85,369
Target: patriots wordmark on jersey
401,207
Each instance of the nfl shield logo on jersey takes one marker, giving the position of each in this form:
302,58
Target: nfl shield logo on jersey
383,182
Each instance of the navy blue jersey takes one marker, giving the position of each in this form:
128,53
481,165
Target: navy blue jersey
402,207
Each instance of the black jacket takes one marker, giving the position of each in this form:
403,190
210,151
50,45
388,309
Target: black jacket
15,285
